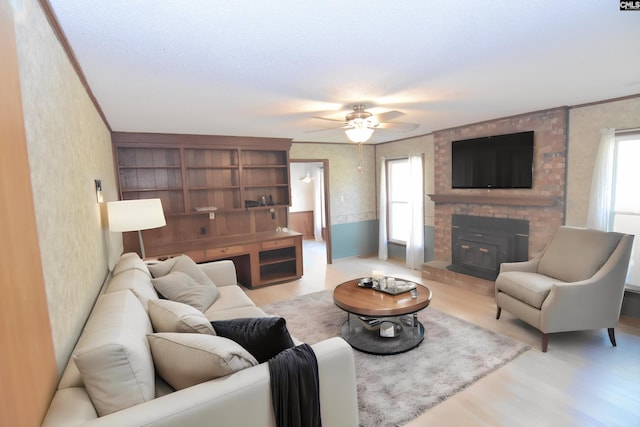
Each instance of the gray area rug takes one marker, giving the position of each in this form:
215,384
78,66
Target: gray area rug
392,390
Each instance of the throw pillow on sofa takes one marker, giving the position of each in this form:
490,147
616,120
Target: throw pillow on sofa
173,316
180,287
186,265
183,360
263,337
183,264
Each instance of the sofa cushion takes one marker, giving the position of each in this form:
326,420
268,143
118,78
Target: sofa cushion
184,360
576,254
230,297
172,316
137,282
113,354
235,313
263,337
130,261
178,286
530,288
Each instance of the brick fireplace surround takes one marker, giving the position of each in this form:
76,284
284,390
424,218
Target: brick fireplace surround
543,205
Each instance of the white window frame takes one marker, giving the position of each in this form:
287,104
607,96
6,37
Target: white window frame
634,266
394,199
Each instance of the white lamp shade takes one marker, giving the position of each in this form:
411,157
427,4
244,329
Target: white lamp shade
135,215
359,134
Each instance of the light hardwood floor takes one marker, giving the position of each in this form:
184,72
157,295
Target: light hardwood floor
581,381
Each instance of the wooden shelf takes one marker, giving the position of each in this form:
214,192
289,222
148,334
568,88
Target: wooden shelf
150,167
496,199
147,190
190,171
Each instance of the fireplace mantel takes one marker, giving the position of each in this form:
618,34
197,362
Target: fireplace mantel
495,199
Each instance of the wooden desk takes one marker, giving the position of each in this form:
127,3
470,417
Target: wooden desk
261,258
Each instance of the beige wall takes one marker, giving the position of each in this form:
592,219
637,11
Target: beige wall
69,146
584,137
352,193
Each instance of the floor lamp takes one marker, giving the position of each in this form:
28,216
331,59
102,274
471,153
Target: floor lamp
135,215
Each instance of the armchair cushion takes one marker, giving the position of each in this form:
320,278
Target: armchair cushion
530,288
576,254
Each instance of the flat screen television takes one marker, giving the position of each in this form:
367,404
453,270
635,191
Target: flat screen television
501,161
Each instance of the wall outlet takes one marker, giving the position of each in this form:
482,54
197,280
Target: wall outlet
212,215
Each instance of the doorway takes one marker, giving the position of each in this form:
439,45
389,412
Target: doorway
310,212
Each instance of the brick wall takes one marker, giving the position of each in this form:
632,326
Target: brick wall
549,176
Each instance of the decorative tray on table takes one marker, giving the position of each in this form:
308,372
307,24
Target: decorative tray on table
401,286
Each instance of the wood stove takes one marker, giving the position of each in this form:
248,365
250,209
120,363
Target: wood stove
480,244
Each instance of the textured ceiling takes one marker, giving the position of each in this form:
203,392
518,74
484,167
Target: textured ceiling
266,68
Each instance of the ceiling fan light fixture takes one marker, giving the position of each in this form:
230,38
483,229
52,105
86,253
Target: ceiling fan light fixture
306,179
359,134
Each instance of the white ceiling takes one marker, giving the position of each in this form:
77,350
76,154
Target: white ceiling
266,68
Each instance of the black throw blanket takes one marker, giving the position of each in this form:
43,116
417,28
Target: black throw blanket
295,387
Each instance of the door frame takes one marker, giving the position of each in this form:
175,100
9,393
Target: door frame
327,207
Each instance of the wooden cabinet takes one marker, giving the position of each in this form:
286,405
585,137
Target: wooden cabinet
261,259
212,188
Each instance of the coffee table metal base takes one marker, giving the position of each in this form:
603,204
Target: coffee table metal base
408,336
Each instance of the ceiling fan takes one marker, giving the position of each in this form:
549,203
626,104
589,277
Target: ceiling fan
360,124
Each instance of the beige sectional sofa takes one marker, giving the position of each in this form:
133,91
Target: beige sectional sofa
112,378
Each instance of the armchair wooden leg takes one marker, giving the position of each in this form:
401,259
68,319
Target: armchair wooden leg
498,312
545,342
612,336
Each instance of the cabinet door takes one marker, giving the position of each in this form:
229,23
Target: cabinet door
213,178
146,173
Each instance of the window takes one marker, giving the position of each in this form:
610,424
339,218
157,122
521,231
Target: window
398,200
625,215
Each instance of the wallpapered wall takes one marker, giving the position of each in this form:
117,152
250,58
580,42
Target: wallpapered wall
584,138
69,146
352,193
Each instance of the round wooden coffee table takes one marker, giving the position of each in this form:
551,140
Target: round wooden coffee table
378,322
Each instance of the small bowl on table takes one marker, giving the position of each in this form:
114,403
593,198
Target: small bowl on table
365,282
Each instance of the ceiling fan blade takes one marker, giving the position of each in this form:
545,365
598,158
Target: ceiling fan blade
326,129
329,118
388,116
398,126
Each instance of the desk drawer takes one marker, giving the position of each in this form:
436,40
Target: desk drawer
282,243
222,252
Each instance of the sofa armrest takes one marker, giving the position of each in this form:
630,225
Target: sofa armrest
222,273
225,401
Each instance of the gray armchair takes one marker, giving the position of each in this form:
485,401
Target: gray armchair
576,283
